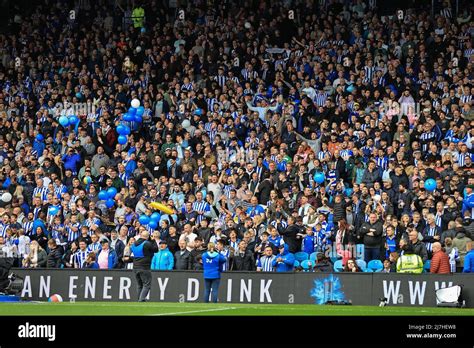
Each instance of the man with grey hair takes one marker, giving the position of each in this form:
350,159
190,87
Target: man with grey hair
143,252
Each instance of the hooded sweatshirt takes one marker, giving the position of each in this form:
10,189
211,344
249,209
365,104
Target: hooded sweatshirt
212,262
288,261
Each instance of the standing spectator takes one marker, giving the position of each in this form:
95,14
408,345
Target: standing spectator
55,254
469,259
409,262
285,261
419,247
163,260
243,259
440,260
143,252
117,244
212,262
198,250
107,257
290,235
265,263
182,257
371,233
460,243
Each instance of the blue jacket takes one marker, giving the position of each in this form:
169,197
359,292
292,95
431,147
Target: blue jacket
71,162
469,262
39,223
113,259
212,264
39,147
288,261
163,260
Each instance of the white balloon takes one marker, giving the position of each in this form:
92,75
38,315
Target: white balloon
6,197
138,49
185,124
247,25
135,103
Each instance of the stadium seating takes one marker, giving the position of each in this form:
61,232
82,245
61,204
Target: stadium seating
362,265
359,251
334,256
296,264
301,256
338,267
375,265
427,266
307,265
313,256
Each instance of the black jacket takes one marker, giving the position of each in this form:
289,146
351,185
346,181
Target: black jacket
119,249
55,257
182,262
289,236
244,262
193,254
375,240
148,251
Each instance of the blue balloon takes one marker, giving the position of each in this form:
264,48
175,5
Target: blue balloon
73,119
78,95
138,119
127,130
198,112
121,129
153,224
40,137
143,30
109,203
144,220
64,121
103,195
53,210
122,139
319,177
430,184
349,191
155,216
350,88
132,111
128,118
111,192
140,111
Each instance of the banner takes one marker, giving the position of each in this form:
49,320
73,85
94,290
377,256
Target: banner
244,287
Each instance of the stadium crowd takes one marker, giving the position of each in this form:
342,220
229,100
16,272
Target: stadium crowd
291,137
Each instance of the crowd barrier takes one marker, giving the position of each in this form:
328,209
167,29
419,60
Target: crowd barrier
245,287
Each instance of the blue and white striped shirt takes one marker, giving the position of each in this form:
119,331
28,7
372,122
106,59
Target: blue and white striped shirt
265,263
80,257
41,192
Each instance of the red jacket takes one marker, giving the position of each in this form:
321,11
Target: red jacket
440,263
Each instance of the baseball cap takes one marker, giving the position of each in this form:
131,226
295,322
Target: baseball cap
162,242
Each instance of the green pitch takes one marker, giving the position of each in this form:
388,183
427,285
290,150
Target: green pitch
167,308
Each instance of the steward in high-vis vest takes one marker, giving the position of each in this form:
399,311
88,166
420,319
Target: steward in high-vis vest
138,17
409,262
143,252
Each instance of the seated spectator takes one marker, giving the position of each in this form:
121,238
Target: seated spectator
351,266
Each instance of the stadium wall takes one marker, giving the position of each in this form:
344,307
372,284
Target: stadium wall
244,287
